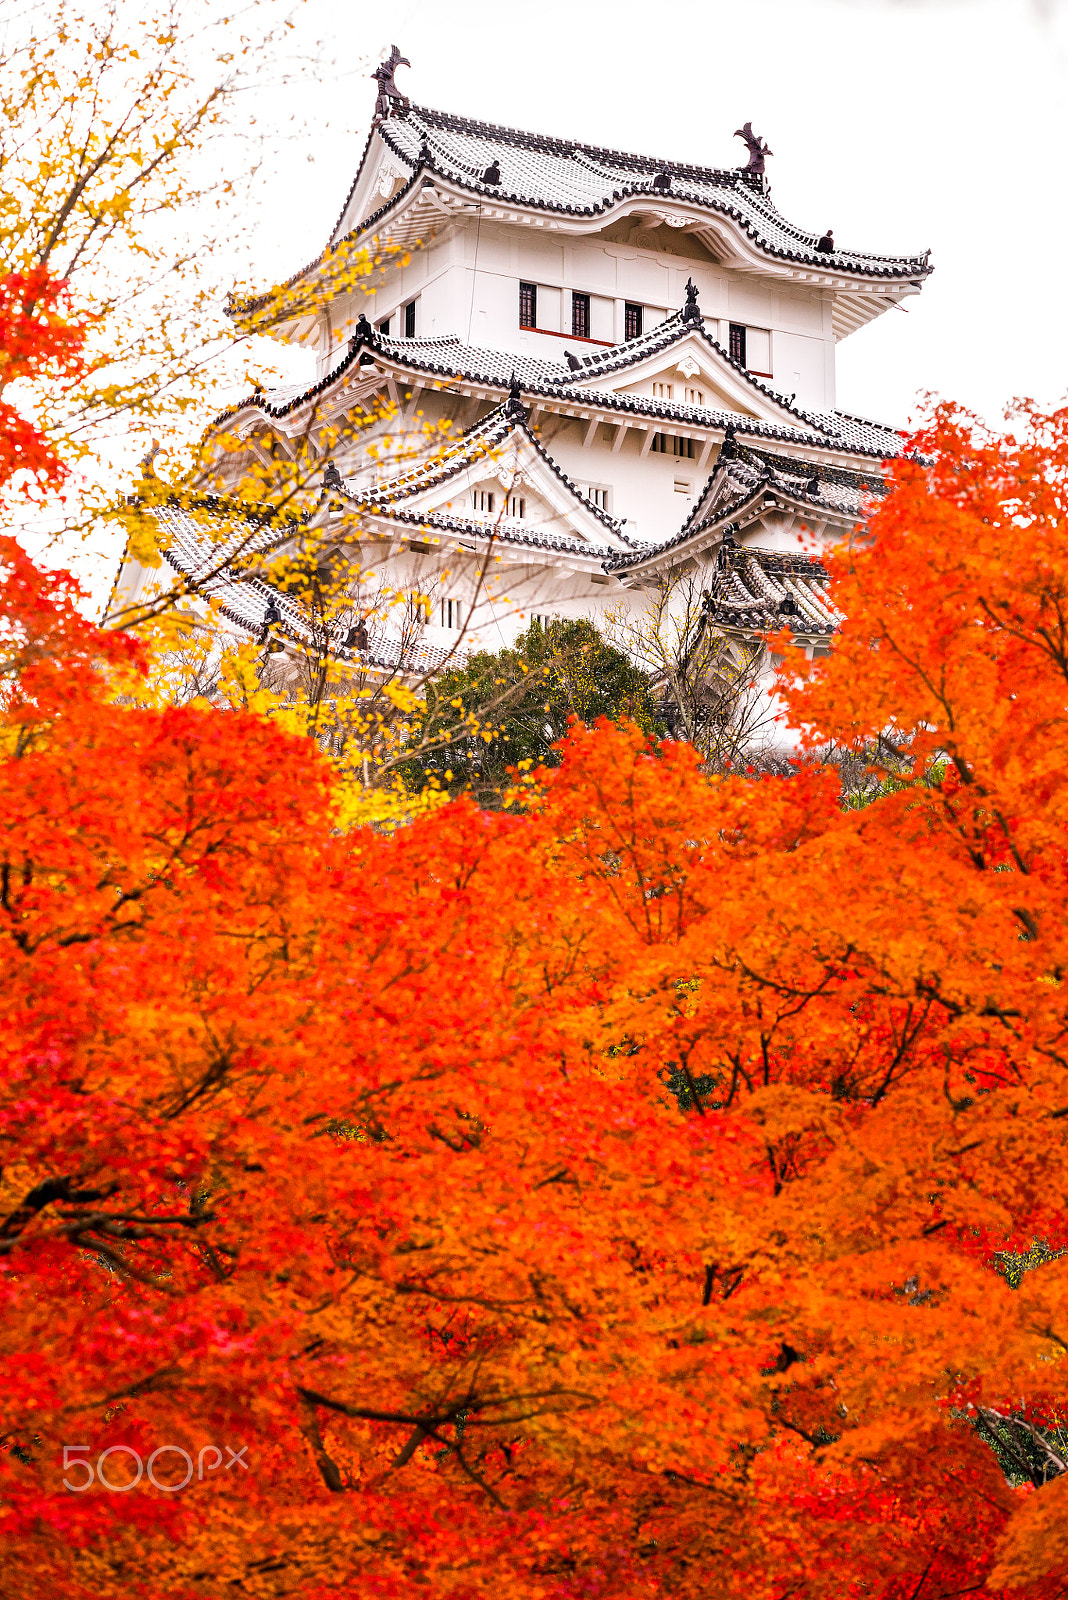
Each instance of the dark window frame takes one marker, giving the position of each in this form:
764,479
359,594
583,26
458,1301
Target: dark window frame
679,445
580,314
409,320
737,343
633,320
528,305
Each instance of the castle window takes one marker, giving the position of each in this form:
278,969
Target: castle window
663,391
632,321
580,316
409,320
540,619
483,499
671,444
383,326
598,495
695,397
682,486
751,348
451,615
528,305
517,505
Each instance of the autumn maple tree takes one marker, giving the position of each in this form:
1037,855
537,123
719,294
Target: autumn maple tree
610,1195
603,1197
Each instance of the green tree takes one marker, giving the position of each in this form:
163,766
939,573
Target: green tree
517,703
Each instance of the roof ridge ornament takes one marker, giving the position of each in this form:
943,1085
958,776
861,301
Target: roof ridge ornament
691,311
757,148
514,406
390,97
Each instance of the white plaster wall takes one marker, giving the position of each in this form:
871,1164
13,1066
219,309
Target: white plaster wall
799,367
468,283
643,487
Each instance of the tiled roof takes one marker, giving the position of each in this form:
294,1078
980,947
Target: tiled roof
188,546
862,434
479,442
673,330
755,590
203,541
742,473
742,469
511,531
566,175
446,357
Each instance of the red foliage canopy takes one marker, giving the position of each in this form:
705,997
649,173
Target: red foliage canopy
600,1201
37,338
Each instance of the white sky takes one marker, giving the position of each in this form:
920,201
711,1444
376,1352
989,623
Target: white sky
902,124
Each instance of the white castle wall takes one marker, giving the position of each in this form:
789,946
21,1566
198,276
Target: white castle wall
466,284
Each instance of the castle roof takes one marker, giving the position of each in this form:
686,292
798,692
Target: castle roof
430,165
448,359
572,178
213,543
201,543
743,483
483,446
758,591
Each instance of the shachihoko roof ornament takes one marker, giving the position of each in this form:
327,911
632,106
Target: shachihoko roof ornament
389,96
757,148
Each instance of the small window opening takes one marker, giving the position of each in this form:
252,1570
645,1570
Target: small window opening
451,615
695,397
580,316
737,344
632,321
517,506
409,320
483,499
671,444
528,305
598,495
383,327
663,391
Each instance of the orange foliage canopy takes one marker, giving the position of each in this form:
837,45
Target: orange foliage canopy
37,339
596,1202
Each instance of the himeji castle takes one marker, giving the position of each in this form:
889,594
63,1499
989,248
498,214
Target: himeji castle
594,370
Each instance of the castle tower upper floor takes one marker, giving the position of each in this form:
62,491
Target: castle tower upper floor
521,243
